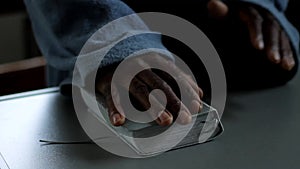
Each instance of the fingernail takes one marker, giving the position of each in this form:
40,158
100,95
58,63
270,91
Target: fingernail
289,65
261,45
195,106
117,119
276,57
165,119
185,117
201,106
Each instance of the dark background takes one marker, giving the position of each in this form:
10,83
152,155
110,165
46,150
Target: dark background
17,41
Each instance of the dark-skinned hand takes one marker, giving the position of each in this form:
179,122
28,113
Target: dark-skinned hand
142,84
266,34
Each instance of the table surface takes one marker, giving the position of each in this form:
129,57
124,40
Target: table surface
261,131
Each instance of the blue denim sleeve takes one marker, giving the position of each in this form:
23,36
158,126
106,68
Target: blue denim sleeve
62,27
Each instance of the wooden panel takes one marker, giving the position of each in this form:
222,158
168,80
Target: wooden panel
22,76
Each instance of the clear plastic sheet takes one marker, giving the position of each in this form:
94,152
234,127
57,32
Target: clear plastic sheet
206,127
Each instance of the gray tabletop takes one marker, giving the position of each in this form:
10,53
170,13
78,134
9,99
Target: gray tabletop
261,132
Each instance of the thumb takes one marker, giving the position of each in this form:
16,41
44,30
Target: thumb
217,9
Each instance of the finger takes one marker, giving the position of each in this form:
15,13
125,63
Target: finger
288,61
171,67
188,78
104,86
173,83
272,37
116,117
253,20
195,104
139,90
187,81
194,85
217,9
173,103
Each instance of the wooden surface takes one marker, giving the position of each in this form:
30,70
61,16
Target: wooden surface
22,76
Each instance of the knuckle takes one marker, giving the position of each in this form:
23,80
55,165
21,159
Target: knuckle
274,48
108,99
275,24
159,84
141,89
105,89
258,19
254,12
103,86
272,21
268,15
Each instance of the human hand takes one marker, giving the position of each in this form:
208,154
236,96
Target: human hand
142,84
265,32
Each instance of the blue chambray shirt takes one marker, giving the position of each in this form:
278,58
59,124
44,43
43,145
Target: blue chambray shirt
62,27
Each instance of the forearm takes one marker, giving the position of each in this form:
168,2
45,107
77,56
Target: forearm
63,27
